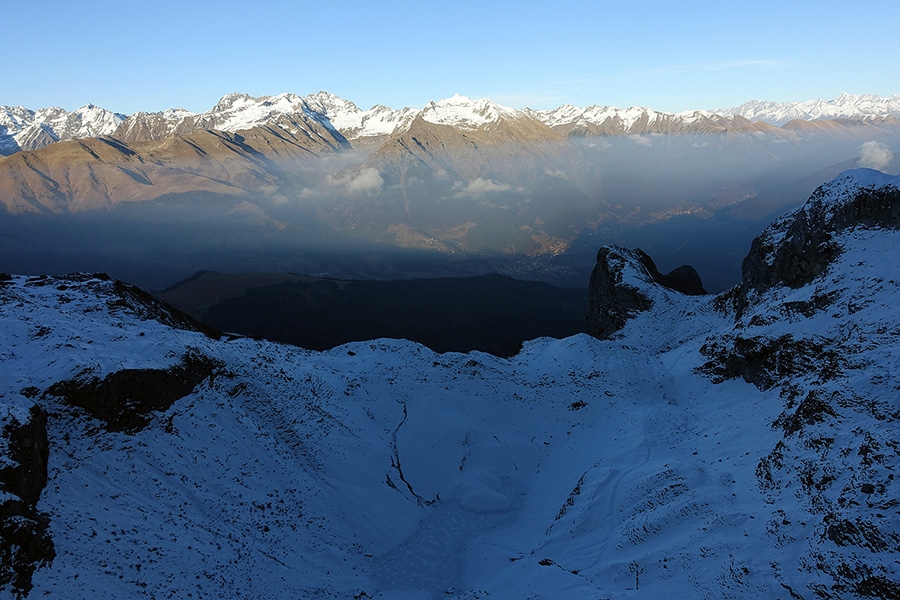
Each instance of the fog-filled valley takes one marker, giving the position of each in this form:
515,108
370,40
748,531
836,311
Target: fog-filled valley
516,198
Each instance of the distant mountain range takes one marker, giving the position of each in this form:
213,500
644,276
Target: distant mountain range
457,147
845,106
465,178
26,129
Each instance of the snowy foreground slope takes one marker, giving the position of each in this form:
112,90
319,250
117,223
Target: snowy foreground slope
742,446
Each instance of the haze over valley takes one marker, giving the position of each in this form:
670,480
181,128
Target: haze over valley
315,185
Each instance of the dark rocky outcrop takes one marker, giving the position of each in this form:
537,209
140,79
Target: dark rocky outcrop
764,361
800,246
147,307
830,429
684,279
792,252
613,301
124,400
814,408
25,542
29,448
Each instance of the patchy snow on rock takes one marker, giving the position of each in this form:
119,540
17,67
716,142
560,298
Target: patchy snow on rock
830,198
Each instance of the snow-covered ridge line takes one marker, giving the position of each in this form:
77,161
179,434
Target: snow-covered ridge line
831,196
463,112
845,106
25,129
21,128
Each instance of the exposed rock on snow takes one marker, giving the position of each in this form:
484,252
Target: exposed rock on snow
799,246
765,361
124,400
25,540
615,291
28,449
815,315
613,295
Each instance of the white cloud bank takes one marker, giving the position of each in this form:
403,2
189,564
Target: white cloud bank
367,181
480,186
874,155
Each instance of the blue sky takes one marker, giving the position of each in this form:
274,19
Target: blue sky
670,56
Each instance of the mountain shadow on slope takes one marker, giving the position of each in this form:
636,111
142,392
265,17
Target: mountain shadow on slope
490,313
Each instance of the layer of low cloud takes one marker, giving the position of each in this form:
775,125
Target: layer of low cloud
875,155
641,140
480,186
366,181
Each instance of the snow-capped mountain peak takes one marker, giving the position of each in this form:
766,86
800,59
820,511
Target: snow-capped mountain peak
21,125
230,101
836,196
466,113
852,180
236,112
845,106
25,129
330,104
355,123
614,120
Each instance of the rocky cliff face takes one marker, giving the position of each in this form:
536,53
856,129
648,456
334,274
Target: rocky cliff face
791,252
617,287
810,315
25,541
800,246
812,318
